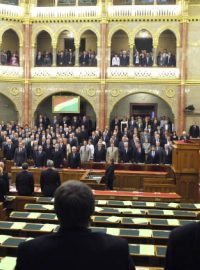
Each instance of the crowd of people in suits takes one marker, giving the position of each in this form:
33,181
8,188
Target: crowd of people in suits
143,58
43,59
70,141
166,59
88,58
9,58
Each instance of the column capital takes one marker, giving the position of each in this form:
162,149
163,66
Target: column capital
54,45
77,45
131,45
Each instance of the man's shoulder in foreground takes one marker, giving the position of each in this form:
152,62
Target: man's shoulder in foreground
73,250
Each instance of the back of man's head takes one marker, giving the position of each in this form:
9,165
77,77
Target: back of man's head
74,204
50,163
25,166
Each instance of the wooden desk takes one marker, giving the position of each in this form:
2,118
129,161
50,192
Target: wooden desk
125,179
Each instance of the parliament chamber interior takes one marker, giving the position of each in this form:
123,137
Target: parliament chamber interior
86,82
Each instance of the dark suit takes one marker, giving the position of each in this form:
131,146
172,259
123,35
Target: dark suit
8,152
2,189
57,157
99,154
183,248
194,131
74,160
40,159
167,157
25,183
153,159
20,156
139,157
74,249
125,156
110,176
49,181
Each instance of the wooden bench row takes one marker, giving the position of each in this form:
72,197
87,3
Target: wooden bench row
122,211
106,220
8,263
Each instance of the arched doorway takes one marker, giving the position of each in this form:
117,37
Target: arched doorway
44,49
167,49
88,49
10,47
65,49
8,111
45,108
120,53
144,41
143,55
142,104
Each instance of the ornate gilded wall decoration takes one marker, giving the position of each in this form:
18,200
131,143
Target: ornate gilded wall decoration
170,93
91,92
115,92
39,91
14,91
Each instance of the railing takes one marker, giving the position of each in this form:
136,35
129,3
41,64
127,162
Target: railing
143,73
62,12
65,72
146,10
10,10
11,71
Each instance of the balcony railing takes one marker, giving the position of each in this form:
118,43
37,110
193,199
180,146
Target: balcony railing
144,10
11,11
11,71
63,12
66,72
143,73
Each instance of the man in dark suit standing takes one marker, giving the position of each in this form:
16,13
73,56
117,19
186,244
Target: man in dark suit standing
194,131
74,159
9,150
153,156
49,180
40,158
74,246
25,181
57,156
20,155
183,248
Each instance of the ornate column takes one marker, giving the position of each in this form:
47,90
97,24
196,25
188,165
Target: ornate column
98,54
103,67
0,48
178,54
155,52
77,46
54,52
183,72
34,53
131,46
21,56
27,66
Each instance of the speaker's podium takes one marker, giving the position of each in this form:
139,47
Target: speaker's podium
186,165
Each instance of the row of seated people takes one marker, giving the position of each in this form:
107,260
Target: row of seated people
143,59
138,143
9,58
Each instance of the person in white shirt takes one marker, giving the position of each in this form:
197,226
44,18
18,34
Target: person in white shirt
115,61
91,149
85,152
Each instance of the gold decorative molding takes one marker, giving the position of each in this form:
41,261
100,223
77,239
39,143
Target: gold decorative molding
14,91
91,92
39,92
115,92
170,92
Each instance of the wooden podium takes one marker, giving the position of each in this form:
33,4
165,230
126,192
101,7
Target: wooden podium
186,165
